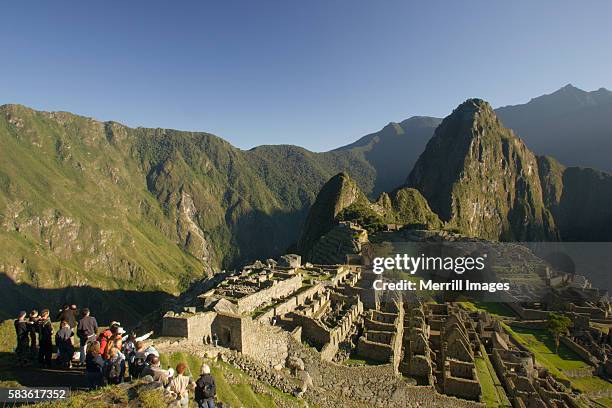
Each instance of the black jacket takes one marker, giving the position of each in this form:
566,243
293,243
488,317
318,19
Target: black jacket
45,332
21,329
88,326
205,381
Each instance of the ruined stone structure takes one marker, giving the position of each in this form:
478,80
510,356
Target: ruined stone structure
267,309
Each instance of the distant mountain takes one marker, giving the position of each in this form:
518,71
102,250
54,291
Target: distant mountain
479,178
570,124
393,150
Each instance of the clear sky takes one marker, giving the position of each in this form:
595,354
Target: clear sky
318,74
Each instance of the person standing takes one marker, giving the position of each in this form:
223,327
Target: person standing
205,389
45,337
22,333
179,386
33,323
87,330
75,317
63,341
68,315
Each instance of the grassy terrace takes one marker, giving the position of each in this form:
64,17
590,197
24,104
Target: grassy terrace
541,343
493,394
494,308
234,386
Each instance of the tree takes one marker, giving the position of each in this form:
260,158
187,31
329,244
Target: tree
558,325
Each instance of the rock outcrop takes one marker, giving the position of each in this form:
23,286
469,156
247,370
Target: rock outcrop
407,206
337,194
481,179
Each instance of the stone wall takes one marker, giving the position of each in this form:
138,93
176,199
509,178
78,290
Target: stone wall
279,289
175,326
527,314
265,343
460,380
581,351
231,330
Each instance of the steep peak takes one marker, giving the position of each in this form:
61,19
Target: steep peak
472,110
479,177
569,88
338,193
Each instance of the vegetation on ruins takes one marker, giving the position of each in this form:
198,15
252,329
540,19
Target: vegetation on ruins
558,325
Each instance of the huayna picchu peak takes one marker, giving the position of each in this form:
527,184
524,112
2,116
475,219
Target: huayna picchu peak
480,178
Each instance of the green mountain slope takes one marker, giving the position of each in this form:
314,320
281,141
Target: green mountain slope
91,204
340,200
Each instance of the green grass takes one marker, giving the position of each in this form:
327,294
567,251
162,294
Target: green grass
606,402
590,384
233,385
493,394
357,361
494,308
540,343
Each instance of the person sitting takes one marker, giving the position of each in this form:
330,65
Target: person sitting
137,360
23,344
154,370
63,341
45,339
113,367
94,365
205,389
179,386
129,344
106,337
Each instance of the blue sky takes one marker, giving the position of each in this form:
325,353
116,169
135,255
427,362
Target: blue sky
318,74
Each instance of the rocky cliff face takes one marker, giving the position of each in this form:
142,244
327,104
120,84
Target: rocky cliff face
481,179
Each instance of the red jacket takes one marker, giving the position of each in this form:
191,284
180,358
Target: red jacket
104,337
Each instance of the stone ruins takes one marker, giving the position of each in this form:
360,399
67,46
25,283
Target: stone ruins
273,311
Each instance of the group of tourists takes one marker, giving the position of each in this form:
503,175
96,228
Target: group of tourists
109,356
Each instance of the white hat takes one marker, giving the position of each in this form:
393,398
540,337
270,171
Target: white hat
120,330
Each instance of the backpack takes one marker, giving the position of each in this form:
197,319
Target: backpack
204,389
113,370
137,364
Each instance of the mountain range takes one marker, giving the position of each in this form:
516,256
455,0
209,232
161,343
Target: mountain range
89,204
